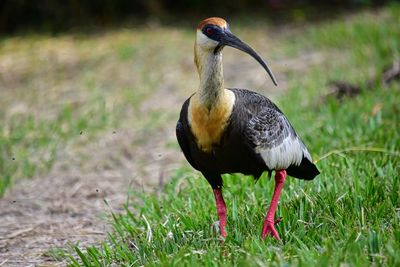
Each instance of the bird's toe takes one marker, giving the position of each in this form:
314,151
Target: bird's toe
269,229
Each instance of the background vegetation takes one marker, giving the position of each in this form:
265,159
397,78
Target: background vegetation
56,16
72,88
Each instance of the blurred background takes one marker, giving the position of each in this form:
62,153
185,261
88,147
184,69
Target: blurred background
72,70
55,16
90,92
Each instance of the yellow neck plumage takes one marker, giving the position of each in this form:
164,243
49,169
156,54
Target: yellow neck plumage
211,106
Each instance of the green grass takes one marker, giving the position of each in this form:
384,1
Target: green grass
348,216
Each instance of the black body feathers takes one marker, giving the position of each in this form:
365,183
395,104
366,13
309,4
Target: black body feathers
258,137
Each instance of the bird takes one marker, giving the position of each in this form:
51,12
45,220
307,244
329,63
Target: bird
229,130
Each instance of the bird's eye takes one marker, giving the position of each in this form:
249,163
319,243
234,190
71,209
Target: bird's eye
209,31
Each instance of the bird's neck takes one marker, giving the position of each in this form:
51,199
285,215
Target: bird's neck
209,67
211,107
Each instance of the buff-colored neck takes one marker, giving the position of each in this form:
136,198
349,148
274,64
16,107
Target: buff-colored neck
210,108
209,67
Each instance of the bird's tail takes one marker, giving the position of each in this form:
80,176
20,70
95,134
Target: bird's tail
306,170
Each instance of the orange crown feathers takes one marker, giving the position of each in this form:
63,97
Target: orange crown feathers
214,21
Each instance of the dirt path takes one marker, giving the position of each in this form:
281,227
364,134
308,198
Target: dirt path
50,212
68,207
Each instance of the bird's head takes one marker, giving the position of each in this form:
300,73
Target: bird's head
213,34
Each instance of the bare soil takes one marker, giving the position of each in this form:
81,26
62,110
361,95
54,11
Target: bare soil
66,207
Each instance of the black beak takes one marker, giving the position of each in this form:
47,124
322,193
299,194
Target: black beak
228,39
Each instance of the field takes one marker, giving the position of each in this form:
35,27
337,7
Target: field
76,89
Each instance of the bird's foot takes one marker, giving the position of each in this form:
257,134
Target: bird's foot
220,229
223,233
222,224
269,229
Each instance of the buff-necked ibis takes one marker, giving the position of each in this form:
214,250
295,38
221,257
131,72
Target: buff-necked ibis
224,130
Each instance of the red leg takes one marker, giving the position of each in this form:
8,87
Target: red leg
268,227
221,210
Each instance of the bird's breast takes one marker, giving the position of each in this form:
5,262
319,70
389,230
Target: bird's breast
208,125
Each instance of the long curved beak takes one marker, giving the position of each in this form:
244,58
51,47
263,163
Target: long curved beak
228,39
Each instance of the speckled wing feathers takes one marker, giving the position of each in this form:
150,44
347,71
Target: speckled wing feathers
267,129
270,133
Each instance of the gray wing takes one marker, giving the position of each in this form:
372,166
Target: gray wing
274,139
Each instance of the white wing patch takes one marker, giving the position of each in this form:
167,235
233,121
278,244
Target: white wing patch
276,141
290,151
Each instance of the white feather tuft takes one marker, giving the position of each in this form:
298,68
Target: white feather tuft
290,152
